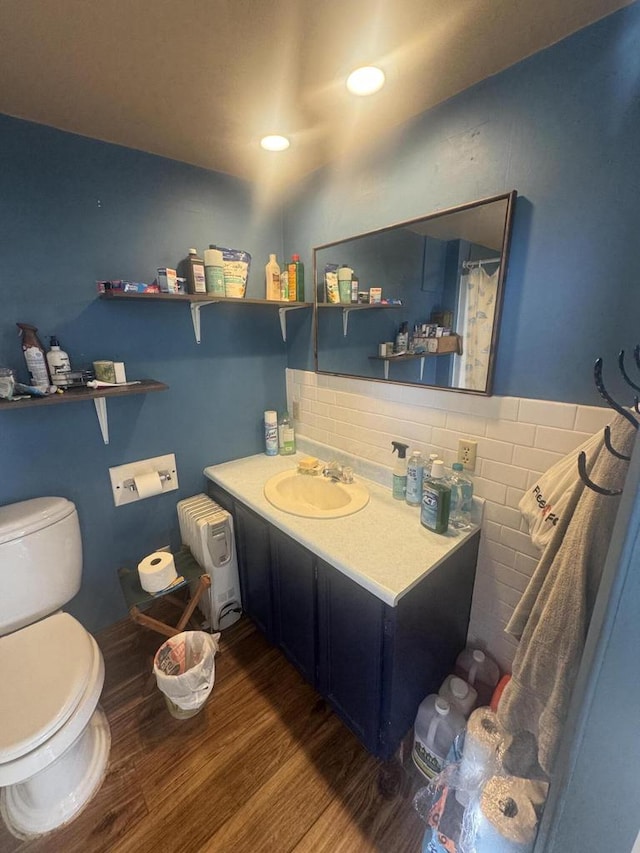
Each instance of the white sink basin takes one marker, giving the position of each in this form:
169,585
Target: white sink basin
314,496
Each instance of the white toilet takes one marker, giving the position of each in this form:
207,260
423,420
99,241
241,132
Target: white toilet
54,739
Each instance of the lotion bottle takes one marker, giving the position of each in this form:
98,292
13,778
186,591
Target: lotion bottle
58,363
272,275
400,470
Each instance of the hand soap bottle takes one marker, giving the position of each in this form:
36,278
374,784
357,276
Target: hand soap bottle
400,470
286,436
436,497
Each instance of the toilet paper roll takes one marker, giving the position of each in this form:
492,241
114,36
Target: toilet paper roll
157,571
480,757
506,821
148,484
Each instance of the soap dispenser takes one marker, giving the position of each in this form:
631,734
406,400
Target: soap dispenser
400,470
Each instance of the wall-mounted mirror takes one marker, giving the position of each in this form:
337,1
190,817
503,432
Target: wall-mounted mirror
439,280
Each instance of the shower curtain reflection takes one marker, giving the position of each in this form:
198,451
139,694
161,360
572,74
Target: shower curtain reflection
476,312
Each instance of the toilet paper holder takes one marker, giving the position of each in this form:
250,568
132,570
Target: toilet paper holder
165,476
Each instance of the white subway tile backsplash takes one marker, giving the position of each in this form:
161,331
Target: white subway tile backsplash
517,440
559,440
547,413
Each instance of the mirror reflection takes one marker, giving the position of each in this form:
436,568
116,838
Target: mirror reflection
418,302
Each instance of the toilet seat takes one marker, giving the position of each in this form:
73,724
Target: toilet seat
53,671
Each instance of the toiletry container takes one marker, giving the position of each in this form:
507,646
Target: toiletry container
478,670
214,271
271,432
345,274
272,279
35,357
58,362
400,470
402,339
461,498
435,728
459,694
286,436
436,496
192,268
284,284
295,268
414,478
428,464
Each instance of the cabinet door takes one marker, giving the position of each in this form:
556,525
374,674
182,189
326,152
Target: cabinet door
294,602
350,646
254,559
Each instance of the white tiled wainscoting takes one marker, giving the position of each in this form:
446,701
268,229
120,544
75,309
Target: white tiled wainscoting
517,439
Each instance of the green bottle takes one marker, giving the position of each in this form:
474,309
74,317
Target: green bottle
436,499
295,268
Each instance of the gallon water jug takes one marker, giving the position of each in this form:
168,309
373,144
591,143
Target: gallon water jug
437,724
478,670
459,694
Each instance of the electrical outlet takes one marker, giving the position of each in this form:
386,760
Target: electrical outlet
296,410
467,451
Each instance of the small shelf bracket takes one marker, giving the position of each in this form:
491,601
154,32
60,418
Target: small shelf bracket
282,312
101,411
345,321
195,316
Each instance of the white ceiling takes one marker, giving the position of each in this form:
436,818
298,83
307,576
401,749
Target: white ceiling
202,80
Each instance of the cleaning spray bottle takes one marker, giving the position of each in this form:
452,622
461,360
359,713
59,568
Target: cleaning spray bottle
35,357
400,470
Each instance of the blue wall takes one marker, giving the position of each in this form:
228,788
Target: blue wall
72,211
562,128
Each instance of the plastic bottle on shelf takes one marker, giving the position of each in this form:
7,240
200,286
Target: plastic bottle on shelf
58,363
35,357
284,284
461,498
295,268
459,694
286,436
436,497
214,271
478,670
272,275
400,470
415,467
271,432
192,268
435,728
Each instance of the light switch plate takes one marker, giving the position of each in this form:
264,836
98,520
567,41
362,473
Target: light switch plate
124,474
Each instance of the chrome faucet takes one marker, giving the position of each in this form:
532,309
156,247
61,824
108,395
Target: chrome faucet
339,473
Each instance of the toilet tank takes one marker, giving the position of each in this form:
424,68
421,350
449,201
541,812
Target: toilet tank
40,560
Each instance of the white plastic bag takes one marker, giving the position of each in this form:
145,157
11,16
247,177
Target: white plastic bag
184,667
545,503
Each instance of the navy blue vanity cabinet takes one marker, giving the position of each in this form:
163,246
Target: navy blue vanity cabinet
254,566
350,652
372,662
293,586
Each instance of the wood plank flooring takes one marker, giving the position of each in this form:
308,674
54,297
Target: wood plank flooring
265,767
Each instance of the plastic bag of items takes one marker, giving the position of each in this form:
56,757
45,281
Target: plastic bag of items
184,667
474,806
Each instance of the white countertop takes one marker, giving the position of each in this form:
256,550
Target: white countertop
384,548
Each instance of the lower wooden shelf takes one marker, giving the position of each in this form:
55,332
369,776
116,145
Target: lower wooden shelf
78,395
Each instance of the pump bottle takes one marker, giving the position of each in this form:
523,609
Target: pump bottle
400,470
58,362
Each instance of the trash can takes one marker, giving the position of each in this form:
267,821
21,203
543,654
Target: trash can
184,667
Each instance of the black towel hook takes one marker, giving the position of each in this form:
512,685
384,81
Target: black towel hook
586,479
597,373
610,447
625,375
636,355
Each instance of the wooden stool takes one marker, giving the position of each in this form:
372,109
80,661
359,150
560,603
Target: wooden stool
138,600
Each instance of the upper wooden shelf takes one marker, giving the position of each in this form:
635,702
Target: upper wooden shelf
98,395
197,300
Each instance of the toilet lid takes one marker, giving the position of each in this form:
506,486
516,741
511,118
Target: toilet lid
44,670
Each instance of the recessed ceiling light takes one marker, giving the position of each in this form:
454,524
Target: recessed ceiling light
274,143
365,80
